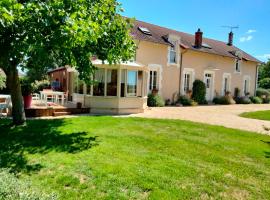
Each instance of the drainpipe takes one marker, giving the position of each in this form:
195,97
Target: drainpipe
180,73
256,79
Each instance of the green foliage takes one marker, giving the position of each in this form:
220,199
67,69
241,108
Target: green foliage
186,101
2,80
265,83
11,188
264,71
243,100
40,85
266,100
155,101
223,100
26,86
260,92
256,100
199,91
57,33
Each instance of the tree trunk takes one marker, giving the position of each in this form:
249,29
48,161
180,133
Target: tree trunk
14,86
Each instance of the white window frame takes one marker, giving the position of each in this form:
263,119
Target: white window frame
229,77
174,39
239,66
158,68
136,94
248,79
192,78
213,83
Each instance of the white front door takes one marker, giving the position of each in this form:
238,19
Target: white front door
208,80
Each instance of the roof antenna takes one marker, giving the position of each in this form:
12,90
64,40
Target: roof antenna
230,39
231,27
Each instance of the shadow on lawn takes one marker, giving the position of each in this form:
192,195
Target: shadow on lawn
267,153
38,137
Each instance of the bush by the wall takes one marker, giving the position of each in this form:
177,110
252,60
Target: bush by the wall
11,188
266,100
265,83
155,101
199,92
260,92
256,100
186,101
223,100
243,100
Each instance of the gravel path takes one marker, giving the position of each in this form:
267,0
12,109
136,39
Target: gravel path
227,116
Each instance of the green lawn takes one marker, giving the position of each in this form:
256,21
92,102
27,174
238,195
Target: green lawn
262,115
133,158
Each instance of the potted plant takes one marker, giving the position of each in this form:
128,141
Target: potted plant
27,90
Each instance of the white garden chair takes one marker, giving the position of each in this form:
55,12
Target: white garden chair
6,105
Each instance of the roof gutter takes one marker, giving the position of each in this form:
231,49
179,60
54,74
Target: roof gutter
181,66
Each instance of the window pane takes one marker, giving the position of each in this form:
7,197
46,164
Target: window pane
172,57
99,76
123,82
75,79
131,83
111,82
88,89
150,80
155,80
81,84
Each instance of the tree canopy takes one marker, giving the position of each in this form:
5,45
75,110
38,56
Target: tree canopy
264,75
42,33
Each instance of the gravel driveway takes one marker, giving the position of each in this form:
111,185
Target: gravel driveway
227,116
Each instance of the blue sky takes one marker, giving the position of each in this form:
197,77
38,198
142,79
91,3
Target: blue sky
253,17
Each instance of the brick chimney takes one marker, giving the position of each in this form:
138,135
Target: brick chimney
198,38
230,41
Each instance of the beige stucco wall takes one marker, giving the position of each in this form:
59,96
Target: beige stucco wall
157,54
151,54
220,65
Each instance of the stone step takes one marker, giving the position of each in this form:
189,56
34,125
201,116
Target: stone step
57,114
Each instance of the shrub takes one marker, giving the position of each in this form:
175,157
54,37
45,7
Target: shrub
262,92
266,100
186,101
155,101
26,87
199,92
11,188
265,83
223,100
40,85
243,100
256,100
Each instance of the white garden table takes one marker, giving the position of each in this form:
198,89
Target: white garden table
55,95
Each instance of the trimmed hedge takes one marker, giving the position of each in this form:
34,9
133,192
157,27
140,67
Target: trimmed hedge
186,101
223,100
199,92
260,92
256,100
155,101
243,100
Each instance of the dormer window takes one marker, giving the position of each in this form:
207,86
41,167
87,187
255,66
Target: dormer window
144,30
172,53
238,65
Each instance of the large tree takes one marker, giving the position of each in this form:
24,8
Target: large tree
42,33
264,75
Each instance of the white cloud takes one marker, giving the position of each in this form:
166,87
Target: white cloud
251,31
264,57
247,38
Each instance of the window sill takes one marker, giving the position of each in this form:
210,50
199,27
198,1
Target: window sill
172,64
237,72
